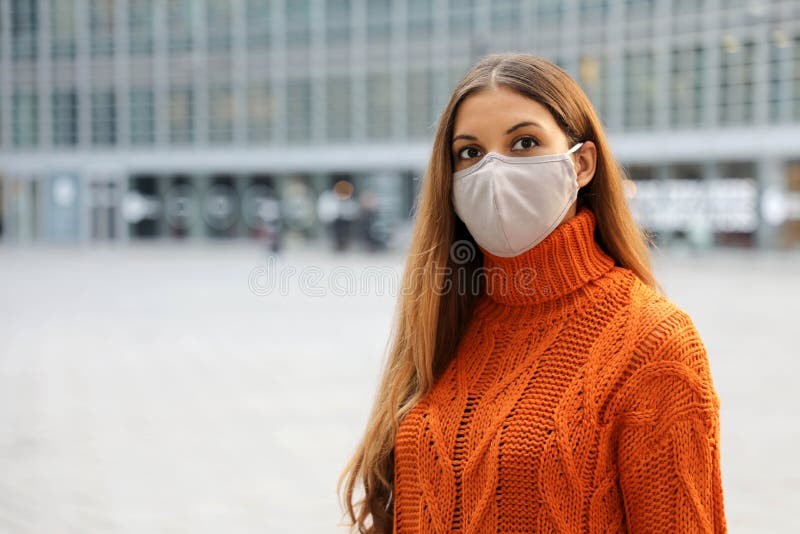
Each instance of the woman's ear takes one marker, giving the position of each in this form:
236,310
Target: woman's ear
586,163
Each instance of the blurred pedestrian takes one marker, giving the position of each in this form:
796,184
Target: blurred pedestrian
374,229
338,210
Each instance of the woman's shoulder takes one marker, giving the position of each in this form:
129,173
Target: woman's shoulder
655,327
651,313
657,319
665,345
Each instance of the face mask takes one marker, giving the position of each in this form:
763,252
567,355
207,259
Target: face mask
510,204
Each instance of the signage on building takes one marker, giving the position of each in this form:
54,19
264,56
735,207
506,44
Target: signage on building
719,205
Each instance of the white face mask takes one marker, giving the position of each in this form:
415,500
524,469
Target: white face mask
511,203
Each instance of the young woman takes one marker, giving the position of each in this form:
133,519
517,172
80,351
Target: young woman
538,379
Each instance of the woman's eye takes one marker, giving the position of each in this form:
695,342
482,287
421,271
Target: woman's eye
526,142
470,152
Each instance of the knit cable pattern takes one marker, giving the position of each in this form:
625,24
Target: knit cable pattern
578,400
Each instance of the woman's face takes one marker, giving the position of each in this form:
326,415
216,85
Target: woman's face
502,120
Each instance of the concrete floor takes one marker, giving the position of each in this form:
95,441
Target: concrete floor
167,389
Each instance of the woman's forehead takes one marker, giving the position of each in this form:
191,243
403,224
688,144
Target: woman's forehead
499,107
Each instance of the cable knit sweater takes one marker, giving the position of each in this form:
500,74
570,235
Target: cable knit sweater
581,401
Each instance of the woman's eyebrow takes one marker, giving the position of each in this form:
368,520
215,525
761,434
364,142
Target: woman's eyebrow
524,123
464,136
516,126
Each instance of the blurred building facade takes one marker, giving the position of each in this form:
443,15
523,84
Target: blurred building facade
135,119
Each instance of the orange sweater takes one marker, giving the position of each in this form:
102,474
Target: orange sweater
585,405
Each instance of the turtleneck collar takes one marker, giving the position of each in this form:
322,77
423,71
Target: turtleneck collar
568,258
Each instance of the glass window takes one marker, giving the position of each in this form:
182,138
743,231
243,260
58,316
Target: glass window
685,171
65,117
593,11
258,23
547,33
298,109
103,118
260,109
140,22
780,72
218,22
338,115
420,99
142,104
796,78
639,90
687,16
379,20
593,19
548,14
379,30
24,25
456,75
25,109
639,18
181,124
62,33
505,15
736,81
732,4
461,13
179,23
337,21
379,105
101,27
641,172
686,86
220,114
592,77
298,15
420,19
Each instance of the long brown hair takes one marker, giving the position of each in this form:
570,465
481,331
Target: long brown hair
428,322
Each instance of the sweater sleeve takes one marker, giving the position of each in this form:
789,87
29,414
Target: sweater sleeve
668,452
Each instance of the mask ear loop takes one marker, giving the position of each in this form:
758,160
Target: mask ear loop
575,147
